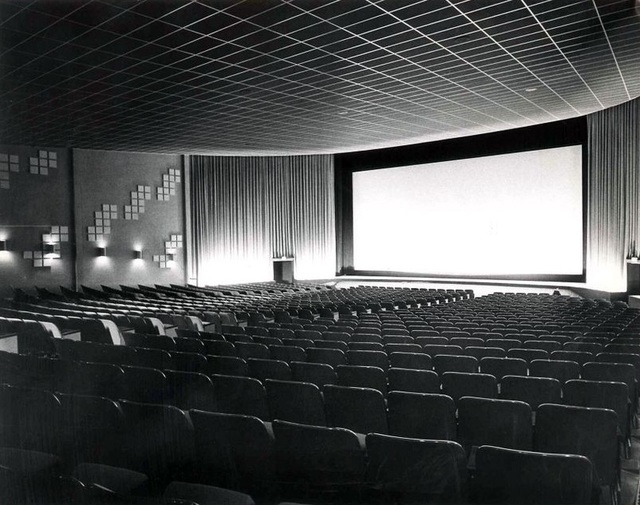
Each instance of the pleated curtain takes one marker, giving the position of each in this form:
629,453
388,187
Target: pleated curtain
245,211
613,226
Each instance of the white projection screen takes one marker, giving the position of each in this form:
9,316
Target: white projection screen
510,215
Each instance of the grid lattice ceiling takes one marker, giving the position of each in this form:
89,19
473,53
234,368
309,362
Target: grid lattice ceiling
304,76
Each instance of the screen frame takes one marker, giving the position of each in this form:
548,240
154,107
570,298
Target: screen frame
551,135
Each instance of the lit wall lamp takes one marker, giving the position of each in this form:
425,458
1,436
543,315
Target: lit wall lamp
51,250
101,251
137,254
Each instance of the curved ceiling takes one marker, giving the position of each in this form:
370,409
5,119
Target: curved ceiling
304,76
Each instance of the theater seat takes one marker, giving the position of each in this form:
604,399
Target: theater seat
359,409
362,377
417,381
510,476
241,396
319,374
233,451
458,384
413,470
28,476
323,459
159,442
421,415
590,432
483,421
297,402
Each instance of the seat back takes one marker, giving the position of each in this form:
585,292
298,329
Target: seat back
324,458
421,415
319,374
30,419
452,363
227,365
556,369
416,360
600,394
505,423
296,402
93,379
93,429
190,390
287,353
240,396
532,390
580,357
333,357
410,468
190,362
246,350
368,358
144,385
362,410
590,432
526,477
263,369
527,354
412,380
435,349
458,384
159,442
499,367
187,344
484,352
612,372
234,451
363,377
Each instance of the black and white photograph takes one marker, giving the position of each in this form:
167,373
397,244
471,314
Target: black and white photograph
319,252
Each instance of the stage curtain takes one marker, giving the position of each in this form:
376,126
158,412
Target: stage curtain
247,210
614,194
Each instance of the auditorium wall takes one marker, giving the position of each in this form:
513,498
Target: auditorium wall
127,202
35,190
59,196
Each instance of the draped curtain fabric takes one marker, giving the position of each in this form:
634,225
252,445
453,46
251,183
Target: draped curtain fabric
614,194
247,210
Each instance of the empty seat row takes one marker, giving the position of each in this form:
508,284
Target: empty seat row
240,452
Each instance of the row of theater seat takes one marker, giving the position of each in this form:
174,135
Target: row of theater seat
406,371
603,384
245,453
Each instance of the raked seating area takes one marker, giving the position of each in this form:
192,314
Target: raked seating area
313,394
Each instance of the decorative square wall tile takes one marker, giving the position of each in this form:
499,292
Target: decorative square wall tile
169,181
45,160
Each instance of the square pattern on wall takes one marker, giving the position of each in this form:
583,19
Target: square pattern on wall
41,164
170,248
39,261
169,181
133,211
102,222
8,163
56,235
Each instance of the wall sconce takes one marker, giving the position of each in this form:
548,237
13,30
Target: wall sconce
101,251
3,245
137,254
51,250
